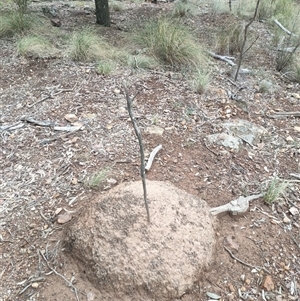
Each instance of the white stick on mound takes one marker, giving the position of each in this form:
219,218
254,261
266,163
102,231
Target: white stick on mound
152,155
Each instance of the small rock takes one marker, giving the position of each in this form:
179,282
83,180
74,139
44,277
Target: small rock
294,211
117,91
231,287
55,22
268,283
35,285
229,241
297,128
71,117
286,220
112,181
155,130
64,218
296,95
247,281
58,211
289,139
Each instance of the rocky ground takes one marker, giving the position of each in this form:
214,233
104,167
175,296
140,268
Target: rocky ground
46,170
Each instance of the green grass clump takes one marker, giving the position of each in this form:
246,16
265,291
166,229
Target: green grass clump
13,23
35,46
86,45
96,179
201,81
182,8
116,6
105,67
230,39
142,62
170,42
276,189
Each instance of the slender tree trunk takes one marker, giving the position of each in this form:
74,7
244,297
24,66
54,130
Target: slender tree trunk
102,12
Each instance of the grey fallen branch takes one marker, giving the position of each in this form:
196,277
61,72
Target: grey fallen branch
284,114
38,122
284,29
11,127
152,155
227,59
236,206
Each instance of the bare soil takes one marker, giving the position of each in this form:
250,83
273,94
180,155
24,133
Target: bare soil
44,172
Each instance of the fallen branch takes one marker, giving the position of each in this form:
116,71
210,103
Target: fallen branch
284,114
38,122
46,141
11,127
152,155
284,29
236,206
226,59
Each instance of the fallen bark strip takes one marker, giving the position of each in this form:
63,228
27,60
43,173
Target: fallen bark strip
284,114
67,128
226,59
284,29
152,155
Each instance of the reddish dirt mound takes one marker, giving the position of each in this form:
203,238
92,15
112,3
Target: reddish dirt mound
124,255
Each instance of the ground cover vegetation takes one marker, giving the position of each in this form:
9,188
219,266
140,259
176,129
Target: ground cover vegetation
172,44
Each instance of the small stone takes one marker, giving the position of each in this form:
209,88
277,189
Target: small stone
155,130
296,95
71,117
231,287
58,211
117,91
294,211
74,181
55,22
289,139
297,128
35,285
268,283
112,181
286,220
247,281
64,218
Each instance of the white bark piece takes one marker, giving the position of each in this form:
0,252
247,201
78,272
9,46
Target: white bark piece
226,59
152,155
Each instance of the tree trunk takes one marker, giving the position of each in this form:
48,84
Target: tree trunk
102,12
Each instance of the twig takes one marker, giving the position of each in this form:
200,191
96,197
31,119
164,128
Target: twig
37,122
243,262
242,52
60,275
11,126
152,155
210,149
138,134
49,96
